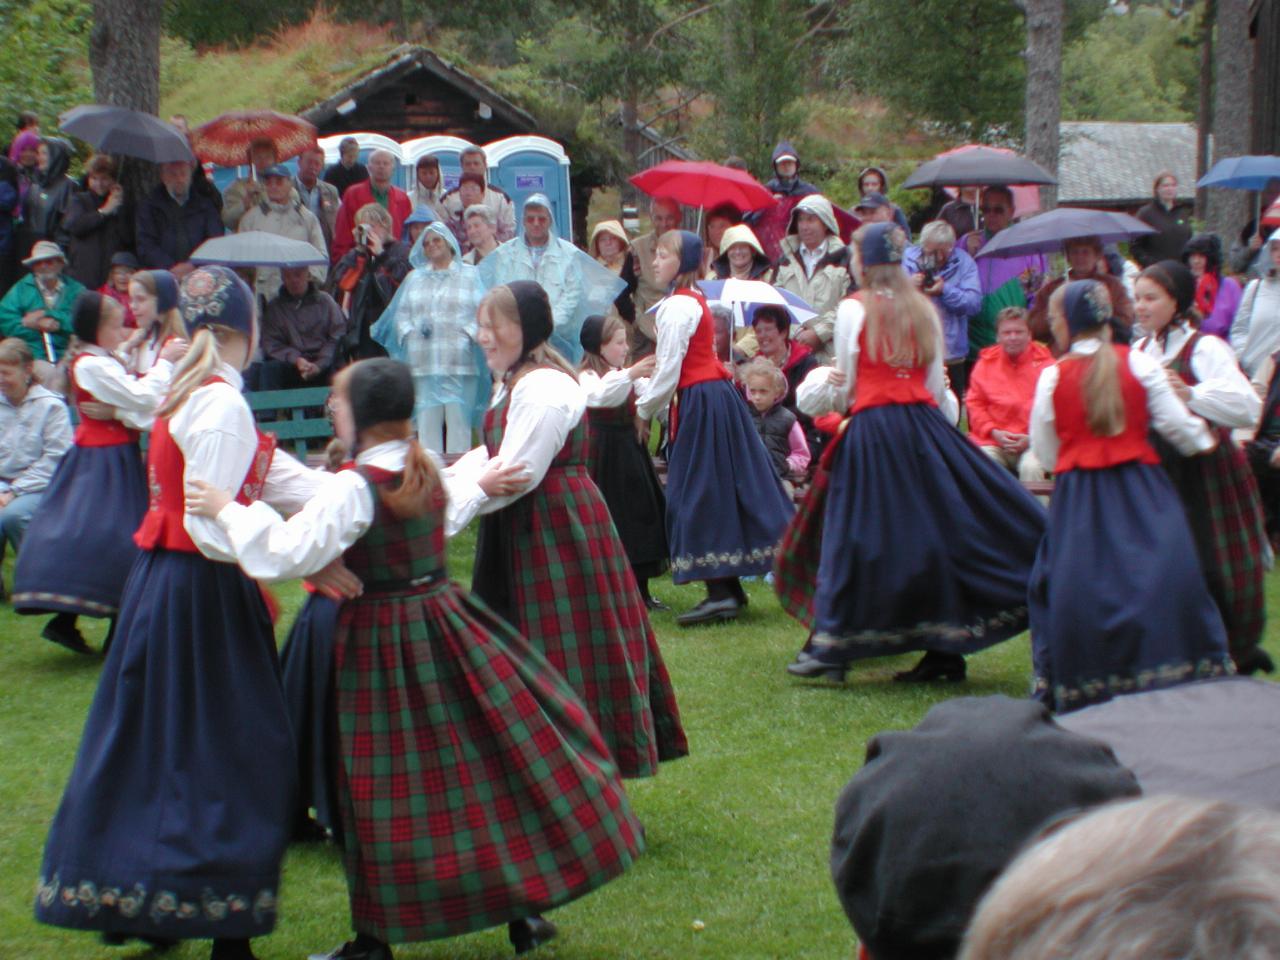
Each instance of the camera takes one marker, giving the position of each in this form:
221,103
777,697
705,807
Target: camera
362,235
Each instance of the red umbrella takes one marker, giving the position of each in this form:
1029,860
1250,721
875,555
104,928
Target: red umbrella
1271,215
701,184
225,140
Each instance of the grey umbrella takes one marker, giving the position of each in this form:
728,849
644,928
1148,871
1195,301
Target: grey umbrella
1047,232
256,248
129,133
1217,739
979,167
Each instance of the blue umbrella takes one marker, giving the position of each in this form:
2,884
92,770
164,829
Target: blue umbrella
745,296
1047,232
1242,173
129,133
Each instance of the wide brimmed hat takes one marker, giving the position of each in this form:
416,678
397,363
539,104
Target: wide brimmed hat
44,250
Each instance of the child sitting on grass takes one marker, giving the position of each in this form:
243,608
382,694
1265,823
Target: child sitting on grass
778,427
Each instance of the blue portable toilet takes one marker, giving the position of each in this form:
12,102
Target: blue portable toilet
446,149
368,142
524,165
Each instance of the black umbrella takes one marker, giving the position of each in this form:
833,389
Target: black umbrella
1217,739
129,133
1048,232
979,167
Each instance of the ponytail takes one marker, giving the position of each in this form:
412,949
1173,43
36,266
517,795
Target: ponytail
419,490
1100,389
193,370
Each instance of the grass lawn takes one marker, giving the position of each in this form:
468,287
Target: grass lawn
737,832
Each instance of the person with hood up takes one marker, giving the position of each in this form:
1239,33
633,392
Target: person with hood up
1255,332
431,325
9,185
741,256
576,285
46,201
875,180
429,189
1217,297
786,180
814,265
611,247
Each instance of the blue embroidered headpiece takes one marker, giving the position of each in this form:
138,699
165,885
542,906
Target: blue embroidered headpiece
215,296
881,243
690,252
1086,305
166,290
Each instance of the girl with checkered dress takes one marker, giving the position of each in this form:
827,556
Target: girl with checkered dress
1118,601
474,788
175,818
910,538
1218,490
548,558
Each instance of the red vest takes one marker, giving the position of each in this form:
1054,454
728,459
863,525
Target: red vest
161,527
1079,447
700,361
880,383
96,433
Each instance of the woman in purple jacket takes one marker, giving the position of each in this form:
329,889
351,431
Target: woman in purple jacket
1217,297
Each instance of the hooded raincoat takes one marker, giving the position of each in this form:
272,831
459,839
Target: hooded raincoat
430,324
825,286
46,200
576,284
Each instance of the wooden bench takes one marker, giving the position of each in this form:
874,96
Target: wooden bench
289,414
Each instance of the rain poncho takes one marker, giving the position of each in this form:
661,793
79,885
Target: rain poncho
576,284
430,324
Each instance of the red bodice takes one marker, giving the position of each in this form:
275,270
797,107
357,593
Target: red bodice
880,383
1079,447
700,361
96,433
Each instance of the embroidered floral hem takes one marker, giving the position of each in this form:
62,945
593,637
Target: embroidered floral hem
733,563
1090,690
40,601
190,910
945,637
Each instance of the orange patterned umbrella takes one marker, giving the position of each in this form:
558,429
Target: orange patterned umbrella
225,140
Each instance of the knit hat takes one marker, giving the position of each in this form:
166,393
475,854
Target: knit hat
379,390
534,309
1176,279
214,296
592,334
1086,304
881,243
937,812
86,314
166,290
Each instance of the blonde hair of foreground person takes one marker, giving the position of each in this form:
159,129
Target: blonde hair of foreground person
1166,878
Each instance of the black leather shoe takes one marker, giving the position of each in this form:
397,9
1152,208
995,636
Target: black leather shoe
711,611
807,665
530,933
653,603
1250,661
72,639
351,950
934,666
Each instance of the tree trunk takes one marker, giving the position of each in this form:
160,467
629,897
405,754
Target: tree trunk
630,141
1227,211
1204,113
1044,88
124,54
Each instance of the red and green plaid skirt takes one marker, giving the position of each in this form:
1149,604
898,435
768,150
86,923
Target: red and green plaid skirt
554,560
1220,496
475,788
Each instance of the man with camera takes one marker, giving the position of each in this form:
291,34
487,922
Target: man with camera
949,277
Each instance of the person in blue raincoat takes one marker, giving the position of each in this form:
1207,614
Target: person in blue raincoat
431,325
576,284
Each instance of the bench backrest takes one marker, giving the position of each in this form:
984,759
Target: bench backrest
302,425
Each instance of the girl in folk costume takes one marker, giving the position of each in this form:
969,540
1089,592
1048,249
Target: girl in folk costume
725,506
619,463
432,688
1218,490
153,295
79,547
911,538
1118,600
548,559
176,815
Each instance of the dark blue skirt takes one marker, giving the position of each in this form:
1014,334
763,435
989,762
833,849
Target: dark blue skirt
176,816
1118,601
726,510
79,548
306,664
927,544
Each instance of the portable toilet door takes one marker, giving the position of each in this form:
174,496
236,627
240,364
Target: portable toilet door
368,142
525,165
446,149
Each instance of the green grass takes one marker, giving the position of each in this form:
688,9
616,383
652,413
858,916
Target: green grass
737,832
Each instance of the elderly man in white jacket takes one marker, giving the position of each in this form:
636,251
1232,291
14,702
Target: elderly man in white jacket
283,214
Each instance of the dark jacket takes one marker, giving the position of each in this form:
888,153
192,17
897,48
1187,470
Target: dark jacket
760,266
47,199
1173,230
342,178
310,326
793,186
94,238
167,232
774,427
364,285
